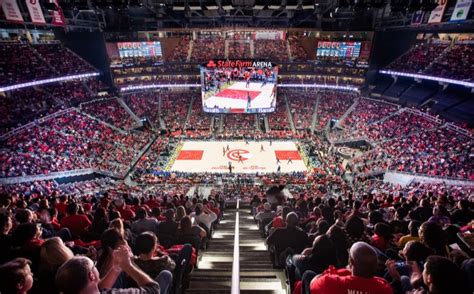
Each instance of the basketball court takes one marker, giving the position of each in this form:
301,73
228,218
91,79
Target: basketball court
214,157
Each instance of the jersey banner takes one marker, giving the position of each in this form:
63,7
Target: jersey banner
35,11
11,11
57,15
437,14
461,10
417,18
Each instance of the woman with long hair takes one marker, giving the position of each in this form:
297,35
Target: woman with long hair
111,239
53,254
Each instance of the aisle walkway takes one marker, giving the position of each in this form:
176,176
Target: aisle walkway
256,271
257,275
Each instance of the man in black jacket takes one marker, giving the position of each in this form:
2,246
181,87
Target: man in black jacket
289,238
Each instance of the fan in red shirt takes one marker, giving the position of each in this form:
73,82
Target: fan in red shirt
359,279
76,223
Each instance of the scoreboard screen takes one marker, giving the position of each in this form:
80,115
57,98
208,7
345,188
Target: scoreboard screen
139,49
338,49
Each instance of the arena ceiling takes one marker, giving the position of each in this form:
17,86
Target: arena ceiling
156,14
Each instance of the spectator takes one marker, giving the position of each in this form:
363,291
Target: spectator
154,266
169,226
143,223
16,276
360,278
78,224
79,275
289,237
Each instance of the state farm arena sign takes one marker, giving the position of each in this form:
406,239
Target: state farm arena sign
238,63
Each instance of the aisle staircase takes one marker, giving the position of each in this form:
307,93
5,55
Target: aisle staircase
214,273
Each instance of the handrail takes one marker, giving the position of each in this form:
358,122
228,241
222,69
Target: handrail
235,288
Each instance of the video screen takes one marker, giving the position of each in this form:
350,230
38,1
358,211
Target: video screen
239,86
338,49
139,49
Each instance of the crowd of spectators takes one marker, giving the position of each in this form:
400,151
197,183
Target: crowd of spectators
302,108
274,50
239,50
418,58
121,239
240,123
174,109
440,152
456,64
365,113
377,240
63,60
396,126
180,52
298,53
22,62
206,48
110,111
25,105
67,142
332,105
278,121
144,105
198,120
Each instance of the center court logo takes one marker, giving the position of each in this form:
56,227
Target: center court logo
235,153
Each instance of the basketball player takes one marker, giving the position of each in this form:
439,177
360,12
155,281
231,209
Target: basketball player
247,79
228,148
241,159
249,100
289,160
278,160
278,169
261,148
223,151
230,167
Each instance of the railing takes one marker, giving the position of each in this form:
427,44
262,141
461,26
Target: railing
34,123
399,177
49,81
235,288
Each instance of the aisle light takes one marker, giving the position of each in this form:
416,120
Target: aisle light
48,81
320,86
156,86
430,78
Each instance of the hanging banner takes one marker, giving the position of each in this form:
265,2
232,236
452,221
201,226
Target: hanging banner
437,14
35,11
57,16
461,10
417,17
11,11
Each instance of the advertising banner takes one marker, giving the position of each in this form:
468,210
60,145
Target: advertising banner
461,10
